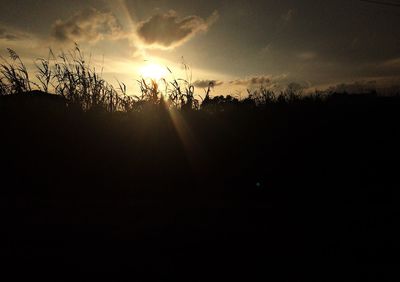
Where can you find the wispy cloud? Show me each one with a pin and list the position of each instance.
(282, 23)
(11, 34)
(392, 63)
(266, 50)
(288, 16)
(89, 25)
(4, 34)
(306, 56)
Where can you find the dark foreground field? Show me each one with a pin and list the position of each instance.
(306, 190)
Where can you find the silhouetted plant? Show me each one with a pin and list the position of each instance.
(15, 77)
(44, 72)
(182, 93)
(149, 91)
(262, 96)
(3, 87)
(293, 92)
(71, 76)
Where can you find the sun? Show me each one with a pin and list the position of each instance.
(153, 71)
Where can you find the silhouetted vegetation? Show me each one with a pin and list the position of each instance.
(99, 185)
(70, 76)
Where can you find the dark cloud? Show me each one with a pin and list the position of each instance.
(4, 34)
(258, 80)
(89, 25)
(272, 82)
(382, 86)
(206, 83)
(168, 30)
(357, 87)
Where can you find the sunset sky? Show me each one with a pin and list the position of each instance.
(237, 44)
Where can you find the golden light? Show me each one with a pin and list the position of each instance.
(153, 71)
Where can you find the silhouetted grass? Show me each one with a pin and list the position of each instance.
(70, 76)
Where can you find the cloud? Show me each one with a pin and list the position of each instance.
(4, 34)
(288, 16)
(252, 81)
(88, 25)
(168, 30)
(383, 86)
(206, 83)
(357, 87)
(12, 34)
(306, 56)
(266, 50)
(261, 80)
(393, 63)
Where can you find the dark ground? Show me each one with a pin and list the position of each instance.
(300, 191)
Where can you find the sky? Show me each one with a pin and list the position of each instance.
(238, 45)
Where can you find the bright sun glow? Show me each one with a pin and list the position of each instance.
(153, 71)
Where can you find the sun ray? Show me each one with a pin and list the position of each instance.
(125, 15)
